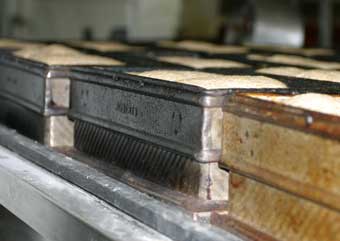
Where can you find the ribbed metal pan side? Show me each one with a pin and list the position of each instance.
(144, 159)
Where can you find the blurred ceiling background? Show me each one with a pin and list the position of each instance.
(280, 22)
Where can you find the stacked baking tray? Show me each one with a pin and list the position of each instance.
(35, 91)
(313, 53)
(256, 56)
(132, 54)
(311, 75)
(10, 45)
(213, 65)
(282, 157)
(165, 126)
(283, 154)
(162, 120)
(165, 129)
(200, 48)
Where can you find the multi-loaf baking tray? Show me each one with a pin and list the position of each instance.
(236, 55)
(35, 95)
(206, 64)
(199, 48)
(206, 49)
(284, 161)
(213, 57)
(255, 56)
(234, 60)
(314, 53)
(10, 45)
(165, 131)
(318, 70)
(132, 54)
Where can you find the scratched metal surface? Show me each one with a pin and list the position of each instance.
(59, 210)
(164, 218)
(13, 229)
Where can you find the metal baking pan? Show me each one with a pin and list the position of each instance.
(257, 210)
(289, 148)
(34, 99)
(141, 60)
(31, 84)
(291, 81)
(156, 56)
(198, 51)
(131, 58)
(7, 50)
(307, 85)
(52, 130)
(241, 58)
(33, 92)
(304, 62)
(167, 113)
(253, 65)
(156, 51)
(11, 45)
(297, 84)
(163, 131)
(260, 63)
(257, 63)
(244, 58)
(319, 54)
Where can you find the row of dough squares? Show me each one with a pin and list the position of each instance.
(57, 54)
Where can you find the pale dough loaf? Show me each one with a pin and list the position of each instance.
(213, 81)
(308, 52)
(17, 44)
(317, 52)
(200, 63)
(322, 103)
(295, 60)
(316, 74)
(171, 75)
(104, 46)
(60, 55)
(204, 47)
(315, 102)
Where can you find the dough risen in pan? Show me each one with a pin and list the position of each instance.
(17, 44)
(200, 63)
(104, 46)
(204, 47)
(295, 60)
(317, 52)
(172, 75)
(53, 49)
(315, 102)
(316, 74)
(308, 52)
(56, 54)
(213, 81)
(281, 71)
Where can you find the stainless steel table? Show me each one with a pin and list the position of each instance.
(63, 199)
(59, 210)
